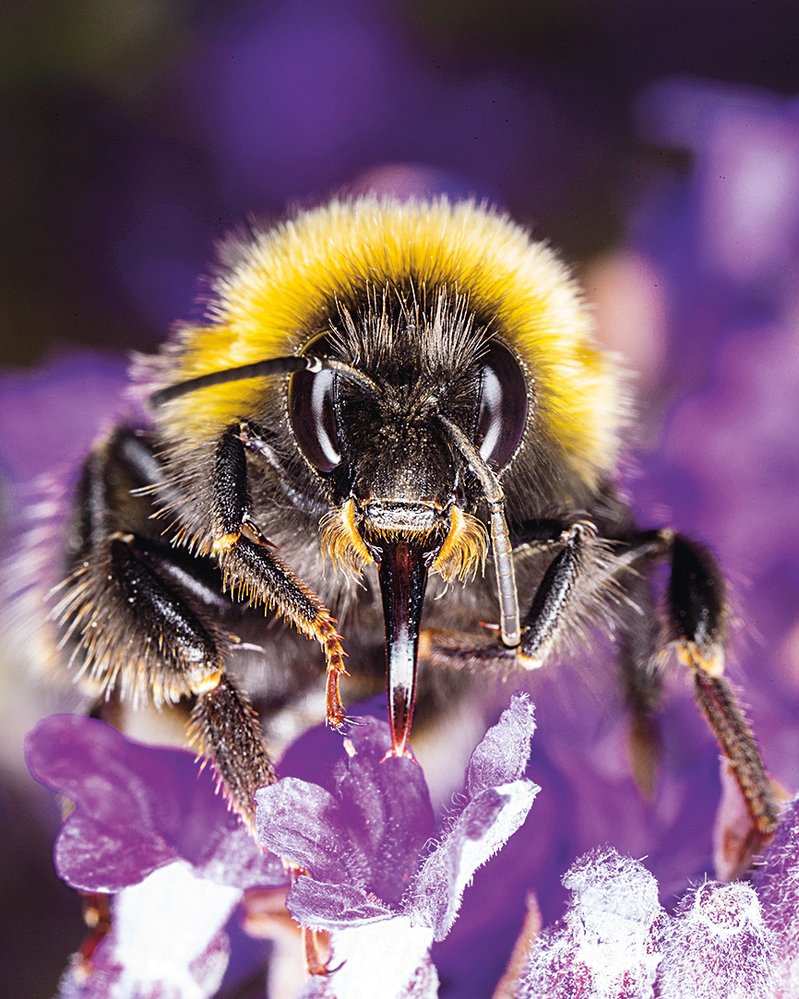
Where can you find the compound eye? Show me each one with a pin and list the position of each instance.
(312, 411)
(503, 406)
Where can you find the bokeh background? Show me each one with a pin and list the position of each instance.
(657, 146)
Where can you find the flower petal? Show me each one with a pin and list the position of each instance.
(138, 808)
(502, 754)
(479, 831)
(322, 906)
(388, 811)
(304, 824)
(494, 812)
(389, 959)
(369, 834)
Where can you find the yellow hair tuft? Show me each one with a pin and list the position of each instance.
(464, 549)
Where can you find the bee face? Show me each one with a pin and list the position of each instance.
(401, 488)
(384, 447)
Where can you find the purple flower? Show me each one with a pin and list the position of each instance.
(777, 884)
(718, 945)
(616, 942)
(710, 275)
(380, 879)
(721, 245)
(367, 879)
(745, 183)
(148, 825)
(608, 943)
(137, 809)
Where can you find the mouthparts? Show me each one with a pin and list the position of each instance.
(403, 580)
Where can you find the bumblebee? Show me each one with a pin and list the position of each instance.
(387, 402)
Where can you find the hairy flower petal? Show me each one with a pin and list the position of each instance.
(323, 906)
(481, 829)
(777, 885)
(387, 959)
(388, 809)
(502, 754)
(305, 824)
(491, 815)
(718, 945)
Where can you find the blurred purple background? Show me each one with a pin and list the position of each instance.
(658, 149)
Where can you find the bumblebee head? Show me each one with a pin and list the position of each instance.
(379, 431)
(411, 428)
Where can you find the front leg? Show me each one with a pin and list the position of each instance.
(252, 571)
(578, 589)
(556, 598)
(696, 627)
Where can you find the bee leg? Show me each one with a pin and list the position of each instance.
(98, 919)
(577, 571)
(225, 727)
(698, 614)
(138, 614)
(547, 615)
(188, 661)
(470, 652)
(587, 571)
(251, 570)
(544, 620)
(465, 652)
(697, 617)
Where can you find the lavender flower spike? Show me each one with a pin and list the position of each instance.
(368, 881)
(608, 945)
